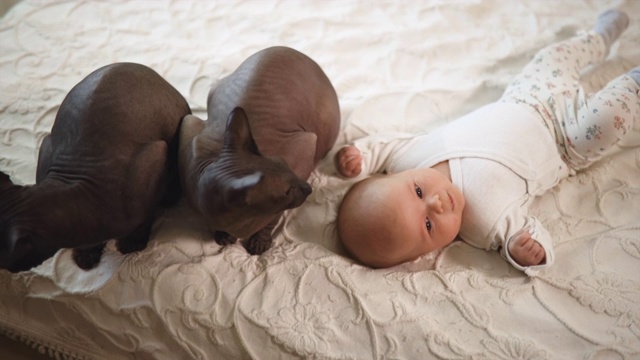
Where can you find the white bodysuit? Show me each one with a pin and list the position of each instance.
(500, 156)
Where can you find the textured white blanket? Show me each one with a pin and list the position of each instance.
(397, 66)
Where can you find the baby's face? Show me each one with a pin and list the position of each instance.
(408, 214)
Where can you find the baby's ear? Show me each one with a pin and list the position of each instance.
(238, 135)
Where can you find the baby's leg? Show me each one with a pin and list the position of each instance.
(555, 72)
(603, 119)
(550, 83)
(556, 68)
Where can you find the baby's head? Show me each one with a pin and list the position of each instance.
(390, 219)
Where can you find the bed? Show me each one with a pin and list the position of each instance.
(397, 66)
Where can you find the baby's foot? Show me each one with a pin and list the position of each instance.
(349, 161)
(610, 24)
(635, 74)
(525, 250)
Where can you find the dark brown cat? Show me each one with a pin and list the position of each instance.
(269, 124)
(101, 172)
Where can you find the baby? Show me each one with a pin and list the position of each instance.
(476, 177)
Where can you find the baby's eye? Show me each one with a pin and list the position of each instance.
(419, 192)
(427, 223)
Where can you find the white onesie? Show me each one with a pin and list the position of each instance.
(500, 156)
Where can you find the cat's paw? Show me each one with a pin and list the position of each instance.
(87, 257)
(222, 238)
(258, 243)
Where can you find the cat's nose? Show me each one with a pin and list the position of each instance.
(306, 189)
(298, 194)
(302, 188)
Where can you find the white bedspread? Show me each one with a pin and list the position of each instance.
(397, 66)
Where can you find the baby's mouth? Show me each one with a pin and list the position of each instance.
(453, 203)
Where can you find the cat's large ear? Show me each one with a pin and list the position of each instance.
(190, 128)
(237, 135)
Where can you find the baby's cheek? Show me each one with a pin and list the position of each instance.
(454, 226)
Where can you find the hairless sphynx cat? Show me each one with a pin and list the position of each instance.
(101, 173)
(269, 124)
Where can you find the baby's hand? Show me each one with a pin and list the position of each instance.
(525, 250)
(349, 161)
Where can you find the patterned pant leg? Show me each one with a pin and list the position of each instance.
(601, 120)
(556, 69)
(551, 82)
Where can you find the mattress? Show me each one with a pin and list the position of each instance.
(401, 66)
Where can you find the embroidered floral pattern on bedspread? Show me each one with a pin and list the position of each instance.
(606, 292)
(397, 66)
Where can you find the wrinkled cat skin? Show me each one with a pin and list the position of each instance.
(102, 172)
(269, 124)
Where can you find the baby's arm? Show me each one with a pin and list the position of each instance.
(530, 248)
(525, 250)
(371, 154)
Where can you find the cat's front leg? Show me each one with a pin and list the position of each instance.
(261, 241)
(223, 238)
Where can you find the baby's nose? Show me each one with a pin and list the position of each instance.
(435, 204)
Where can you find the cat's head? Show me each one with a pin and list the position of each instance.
(242, 191)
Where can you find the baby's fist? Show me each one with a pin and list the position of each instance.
(525, 250)
(349, 161)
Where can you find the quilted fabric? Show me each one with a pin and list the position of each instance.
(397, 66)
